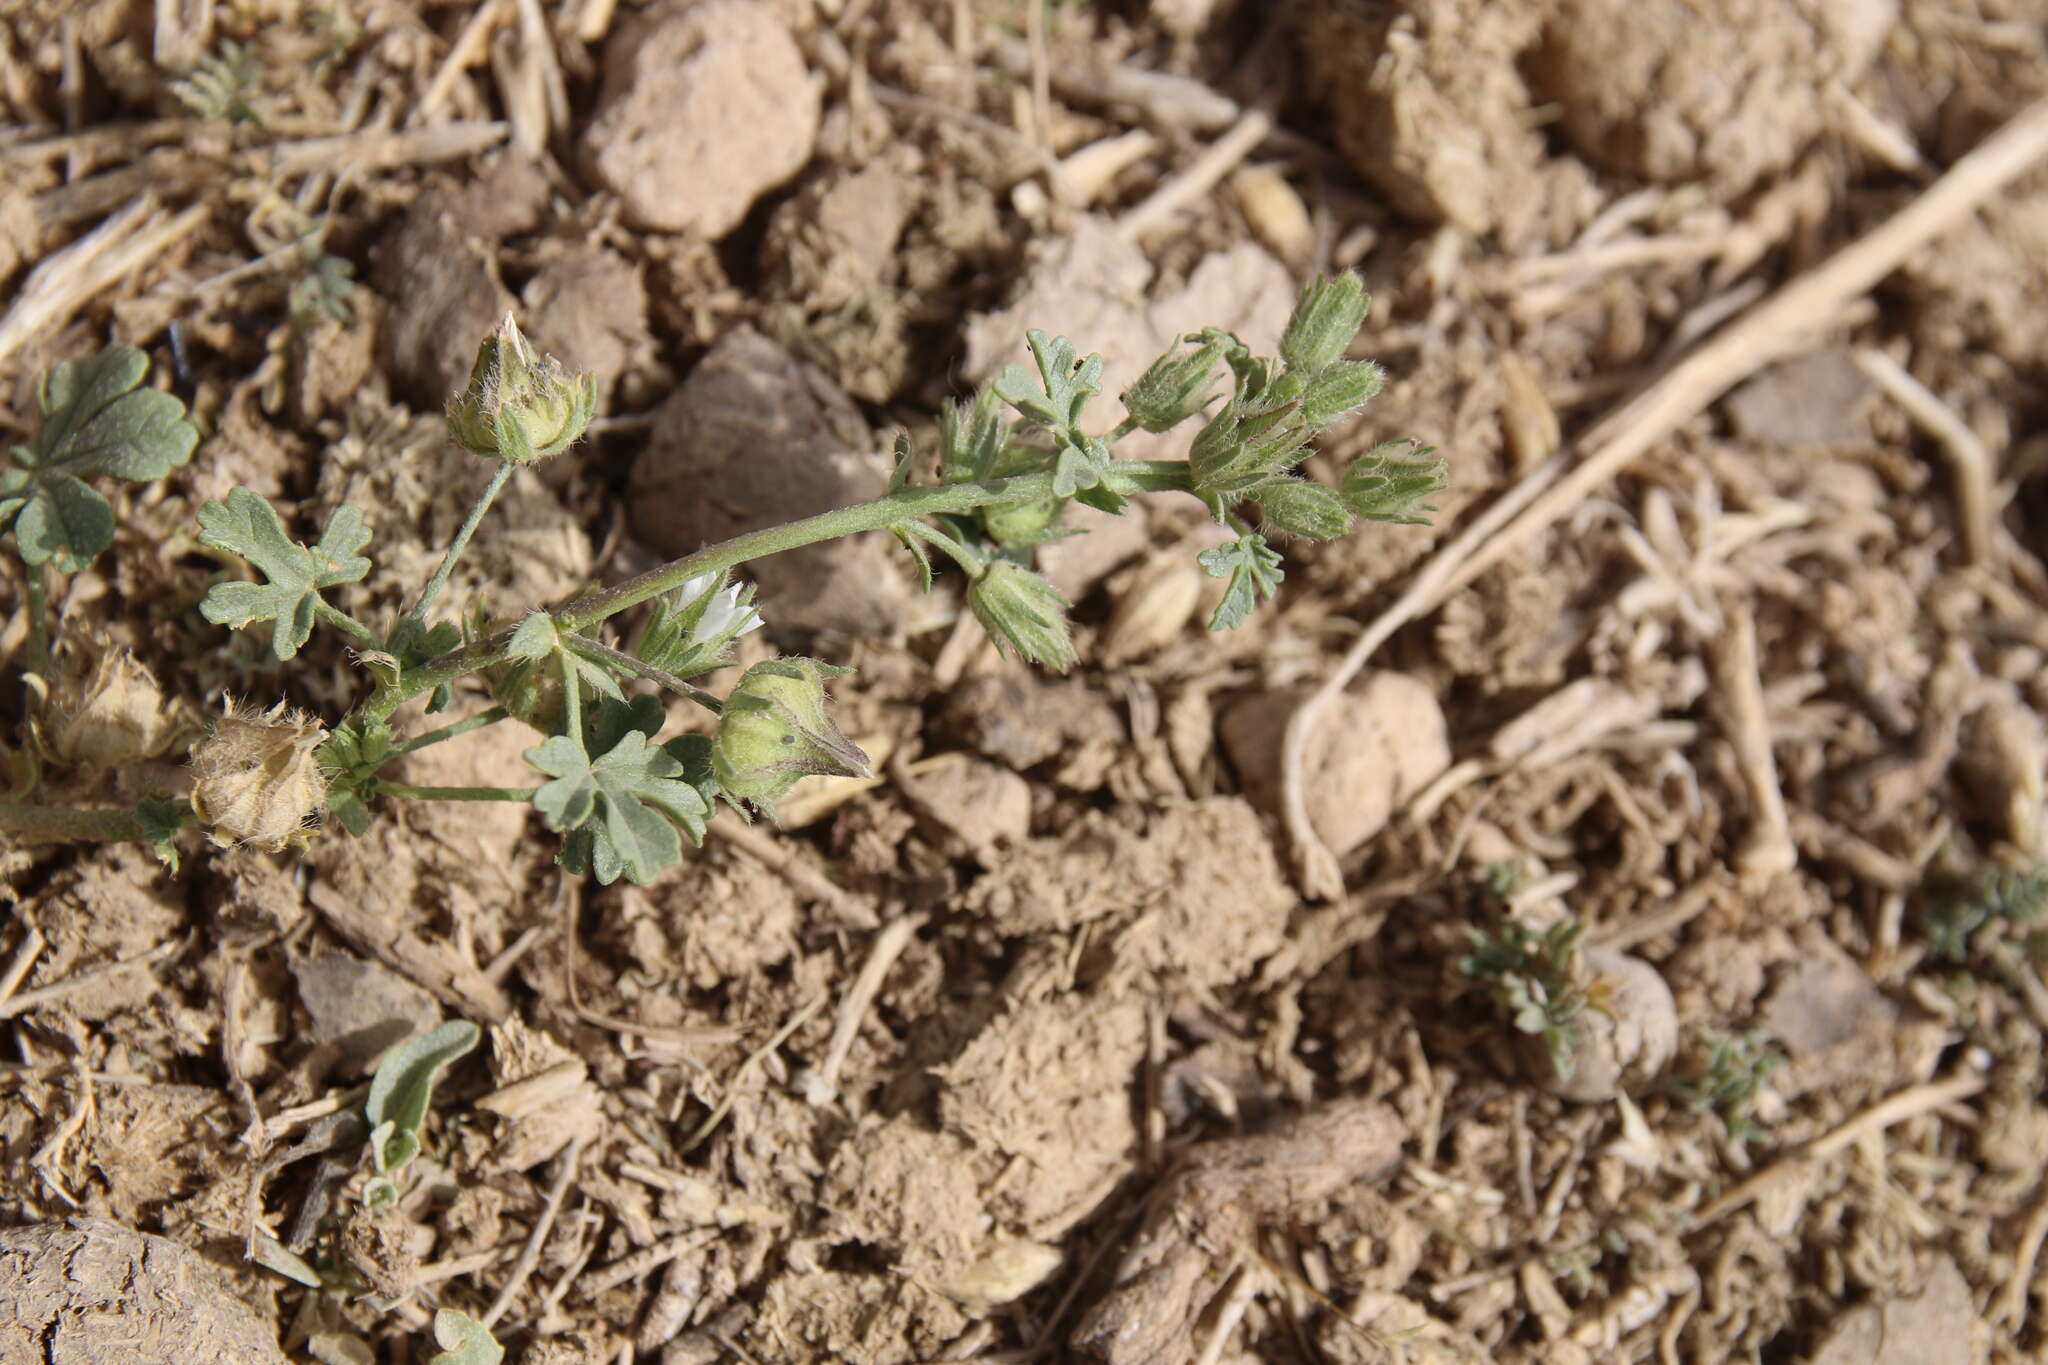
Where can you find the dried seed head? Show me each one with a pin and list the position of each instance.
(109, 714)
(257, 780)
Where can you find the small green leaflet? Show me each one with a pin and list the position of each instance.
(403, 1086)
(1069, 382)
(463, 1341)
(94, 421)
(248, 526)
(625, 800)
(1253, 568)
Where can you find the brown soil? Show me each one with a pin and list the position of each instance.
(1047, 1043)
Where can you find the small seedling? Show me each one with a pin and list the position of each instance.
(1736, 1070)
(223, 85)
(324, 284)
(1986, 922)
(623, 798)
(400, 1093)
(1529, 977)
(463, 1341)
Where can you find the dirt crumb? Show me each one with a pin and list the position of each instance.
(1937, 1326)
(360, 1008)
(443, 278)
(1373, 749)
(704, 108)
(589, 311)
(1044, 1093)
(975, 809)
(1024, 719)
(755, 438)
(860, 1319)
(1815, 400)
(913, 1193)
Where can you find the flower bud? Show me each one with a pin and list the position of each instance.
(1019, 525)
(520, 407)
(1022, 609)
(1338, 392)
(1326, 317)
(257, 780)
(774, 730)
(1175, 388)
(1234, 454)
(1390, 481)
(116, 714)
(1300, 508)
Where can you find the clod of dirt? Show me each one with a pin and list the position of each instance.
(91, 1292)
(589, 311)
(1024, 719)
(715, 919)
(704, 109)
(445, 278)
(360, 1007)
(1211, 1206)
(1669, 90)
(1194, 893)
(832, 242)
(1937, 1326)
(1373, 749)
(1048, 1084)
(974, 809)
(1820, 399)
(911, 1192)
(1428, 104)
(1976, 288)
(756, 438)
(1626, 1034)
(1829, 1017)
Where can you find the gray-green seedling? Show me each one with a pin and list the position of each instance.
(396, 1109)
(463, 1341)
(1733, 1073)
(623, 797)
(1528, 975)
(1988, 922)
(393, 1117)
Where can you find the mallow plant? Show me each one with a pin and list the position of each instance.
(622, 796)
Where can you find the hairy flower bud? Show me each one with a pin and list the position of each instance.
(1390, 481)
(518, 406)
(1234, 453)
(774, 730)
(1176, 387)
(1019, 525)
(115, 714)
(1300, 508)
(1326, 317)
(1338, 392)
(1021, 609)
(257, 780)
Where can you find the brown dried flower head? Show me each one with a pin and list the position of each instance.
(107, 711)
(256, 779)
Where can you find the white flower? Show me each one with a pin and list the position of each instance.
(725, 617)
